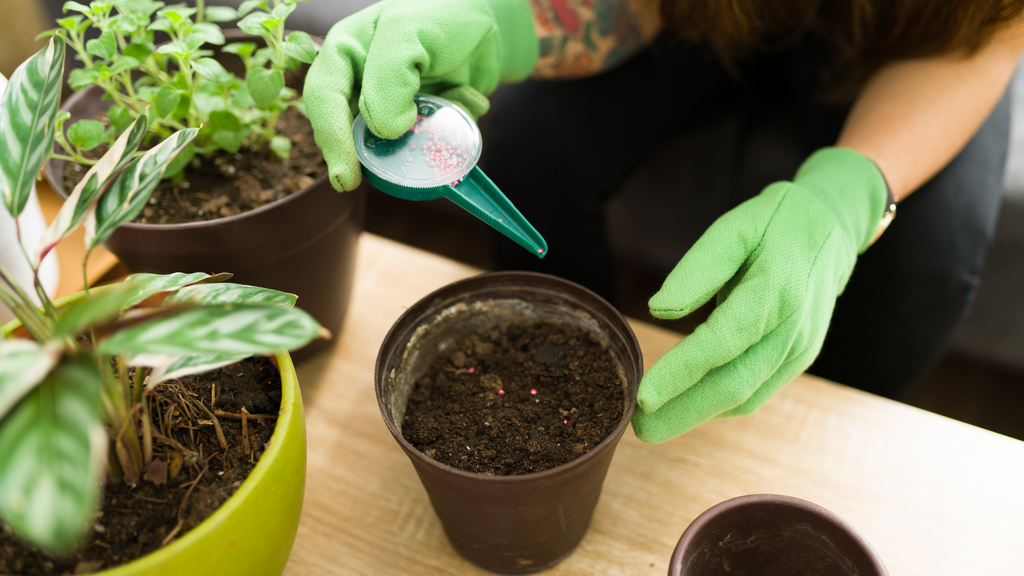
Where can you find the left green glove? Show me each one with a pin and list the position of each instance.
(777, 262)
(377, 59)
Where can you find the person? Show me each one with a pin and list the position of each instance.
(887, 100)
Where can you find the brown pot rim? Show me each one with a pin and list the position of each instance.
(230, 34)
(752, 500)
(454, 287)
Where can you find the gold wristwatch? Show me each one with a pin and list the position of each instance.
(890, 213)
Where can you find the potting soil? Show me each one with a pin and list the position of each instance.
(516, 399)
(228, 184)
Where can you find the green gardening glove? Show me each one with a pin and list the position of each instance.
(376, 60)
(777, 262)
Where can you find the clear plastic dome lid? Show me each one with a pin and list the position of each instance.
(441, 148)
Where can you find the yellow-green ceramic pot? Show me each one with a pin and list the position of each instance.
(253, 532)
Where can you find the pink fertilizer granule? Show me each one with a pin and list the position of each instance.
(444, 151)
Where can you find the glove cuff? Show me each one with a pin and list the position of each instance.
(850, 186)
(519, 45)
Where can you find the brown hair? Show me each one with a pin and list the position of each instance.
(866, 33)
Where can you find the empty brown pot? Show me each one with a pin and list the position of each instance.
(772, 535)
(509, 524)
(304, 244)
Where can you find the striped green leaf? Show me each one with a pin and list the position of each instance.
(132, 188)
(96, 180)
(23, 365)
(100, 306)
(230, 293)
(167, 367)
(28, 107)
(53, 447)
(227, 329)
(146, 285)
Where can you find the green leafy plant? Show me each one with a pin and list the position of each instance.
(178, 81)
(77, 382)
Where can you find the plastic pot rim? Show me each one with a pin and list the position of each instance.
(756, 500)
(416, 308)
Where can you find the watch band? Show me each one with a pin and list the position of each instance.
(887, 216)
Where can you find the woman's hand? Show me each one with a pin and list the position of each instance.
(376, 60)
(777, 263)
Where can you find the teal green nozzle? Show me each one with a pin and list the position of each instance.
(437, 158)
(480, 197)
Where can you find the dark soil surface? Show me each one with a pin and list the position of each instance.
(229, 184)
(191, 475)
(517, 399)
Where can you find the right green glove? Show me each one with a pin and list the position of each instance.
(376, 60)
(776, 264)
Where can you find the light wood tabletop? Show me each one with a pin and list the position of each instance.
(932, 495)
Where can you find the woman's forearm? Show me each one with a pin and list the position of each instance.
(583, 38)
(914, 116)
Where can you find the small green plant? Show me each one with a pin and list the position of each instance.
(178, 81)
(74, 390)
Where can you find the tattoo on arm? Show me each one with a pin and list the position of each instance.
(582, 37)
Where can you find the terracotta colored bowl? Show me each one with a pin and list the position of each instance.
(772, 535)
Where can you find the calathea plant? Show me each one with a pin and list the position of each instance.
(179, 82)
(75, 378)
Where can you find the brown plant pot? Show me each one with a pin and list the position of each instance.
(509, 524)
(773, 535)
(304, 244)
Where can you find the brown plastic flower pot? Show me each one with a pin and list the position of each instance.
(773, 535)
(304, 244)
(509, 524)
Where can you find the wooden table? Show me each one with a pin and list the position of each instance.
(932, 495)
